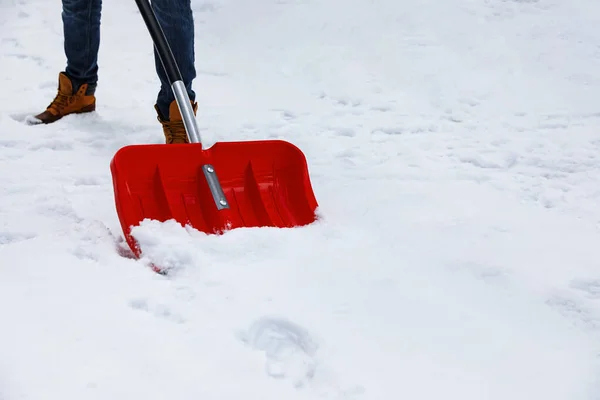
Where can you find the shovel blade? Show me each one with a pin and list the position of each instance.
(265, 183)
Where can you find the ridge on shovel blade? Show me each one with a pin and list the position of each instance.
(265, 183)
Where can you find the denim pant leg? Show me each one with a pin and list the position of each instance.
(81, 25)
(177, 21)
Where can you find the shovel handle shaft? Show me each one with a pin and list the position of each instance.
(160, 41)
(171, 69)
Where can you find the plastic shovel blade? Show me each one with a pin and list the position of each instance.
(265, 183)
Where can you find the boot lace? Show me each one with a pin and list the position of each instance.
(176, 132)
(60, 102)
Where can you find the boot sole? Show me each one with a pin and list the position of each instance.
(86, 109)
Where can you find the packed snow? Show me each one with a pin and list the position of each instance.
(454, 150)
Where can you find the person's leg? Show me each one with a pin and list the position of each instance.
(77, 84)
(81, 25)
(177, 21)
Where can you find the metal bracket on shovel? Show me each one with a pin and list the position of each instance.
(215, 187)
(181, 96)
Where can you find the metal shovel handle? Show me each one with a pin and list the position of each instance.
(172, 70)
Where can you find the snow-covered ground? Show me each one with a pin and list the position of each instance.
(454, 149)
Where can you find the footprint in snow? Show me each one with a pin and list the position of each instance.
(9, 40)
(11, 237)
(158, 310)
(26, 118)
(204, 6)
(87, 181)
(57, 145)
(591, 288)
(580, 315)
(289, 349)
(26, 57)
(10, 144)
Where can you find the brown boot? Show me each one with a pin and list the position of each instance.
(68, 102)
(173, 128)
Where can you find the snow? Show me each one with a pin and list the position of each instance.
(454, 151)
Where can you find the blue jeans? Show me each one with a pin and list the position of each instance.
(81, 24)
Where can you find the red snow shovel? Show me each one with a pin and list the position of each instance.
(227, 186)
